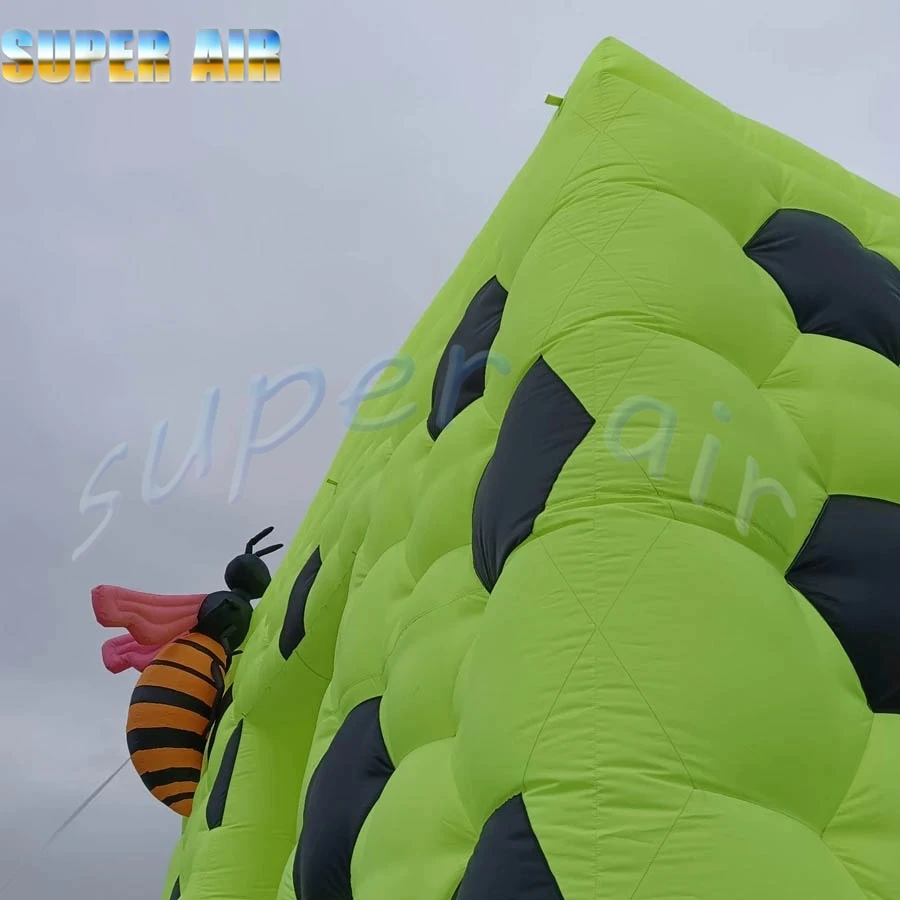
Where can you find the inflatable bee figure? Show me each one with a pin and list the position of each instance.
(183, 646)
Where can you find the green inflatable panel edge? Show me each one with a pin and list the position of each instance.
(584, 622)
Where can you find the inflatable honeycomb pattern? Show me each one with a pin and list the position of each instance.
(611, 612)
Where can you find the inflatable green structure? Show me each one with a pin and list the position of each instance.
(601, 600)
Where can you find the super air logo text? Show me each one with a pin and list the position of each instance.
(253, 56)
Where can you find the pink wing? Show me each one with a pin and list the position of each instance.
(152, 621)
(124, 652)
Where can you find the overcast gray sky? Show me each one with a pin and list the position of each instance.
(158, 241)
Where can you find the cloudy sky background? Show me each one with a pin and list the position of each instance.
(160, 240)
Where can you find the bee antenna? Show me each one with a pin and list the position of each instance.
(255, 540)
(271, 549)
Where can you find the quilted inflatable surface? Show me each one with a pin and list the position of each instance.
(599, 599)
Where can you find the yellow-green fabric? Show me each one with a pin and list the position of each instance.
(678, 720)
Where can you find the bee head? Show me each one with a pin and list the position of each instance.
(247, 574)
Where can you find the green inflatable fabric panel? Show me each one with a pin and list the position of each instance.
(599, 598)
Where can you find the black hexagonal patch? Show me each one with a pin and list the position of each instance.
(342, 791)
(835, 286)
(293, 629)
(848, 569)
(459, 379)
(508, 862)
(543, 425)
(218, 795)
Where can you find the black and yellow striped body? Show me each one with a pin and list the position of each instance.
(171, 712)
